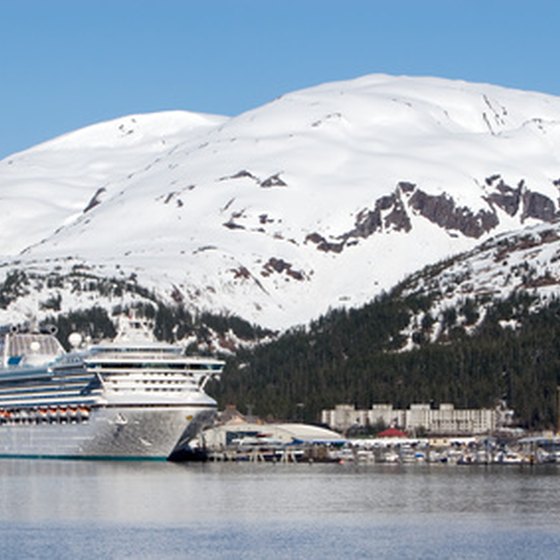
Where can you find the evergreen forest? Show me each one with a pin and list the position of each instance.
(485, 353)
(356, 357)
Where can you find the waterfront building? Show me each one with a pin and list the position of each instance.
(418, 418)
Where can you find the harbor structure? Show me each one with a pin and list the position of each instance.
(257, 441)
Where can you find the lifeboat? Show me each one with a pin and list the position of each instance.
(72, 412)
(83, 411)
(62, 414)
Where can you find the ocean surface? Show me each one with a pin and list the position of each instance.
(145, 510)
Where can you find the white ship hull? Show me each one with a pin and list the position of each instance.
(118, 432)
(133, 399)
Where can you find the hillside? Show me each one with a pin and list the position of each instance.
(356, 357)
(323, 198)
(477, 329)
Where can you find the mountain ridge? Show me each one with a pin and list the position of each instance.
(322, 198)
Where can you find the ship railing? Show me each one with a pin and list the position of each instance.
(142, 355)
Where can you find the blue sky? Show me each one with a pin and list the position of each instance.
(68, 63)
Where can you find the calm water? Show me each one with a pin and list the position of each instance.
(66, 509)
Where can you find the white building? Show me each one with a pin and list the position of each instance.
(443, 420)
(246, 433)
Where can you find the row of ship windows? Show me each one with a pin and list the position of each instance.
(37, 420)
(57, 415)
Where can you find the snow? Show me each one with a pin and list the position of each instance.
(166, 183)
(524, 261)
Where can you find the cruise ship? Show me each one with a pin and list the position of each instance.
(132, 398)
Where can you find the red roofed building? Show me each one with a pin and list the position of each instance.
(391, 433)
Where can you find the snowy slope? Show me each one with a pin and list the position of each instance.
(49, 186)
(324, 197)
(524, 262)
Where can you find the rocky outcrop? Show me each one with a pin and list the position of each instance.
(442, 211)
(95, 199)
(521, 200)
(504, 196)
(243, 174)
(231, 223)
(281, 266)
(367, 223)
(324, 245)
(393, 212)
(241, 272)
(397, 218)
(389, 214)
(273, 181)
(538, 206)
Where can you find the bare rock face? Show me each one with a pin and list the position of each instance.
(389, 213)
(397, 218)
(521, 201)
(504, 196)
(280, 266)
(538, 206)
(95, 200)
(273, 181)
(324, 245)
(441, 210)
(367, 223)
(393, 212)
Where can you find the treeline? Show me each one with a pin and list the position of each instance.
(94, 324)
(170, 324)
(356, 356)
(353, 357)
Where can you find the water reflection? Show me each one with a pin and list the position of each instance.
(127, 509)
(171, 493)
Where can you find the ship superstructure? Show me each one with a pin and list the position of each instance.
(132, 398)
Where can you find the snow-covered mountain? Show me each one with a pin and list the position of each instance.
(321, 198)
